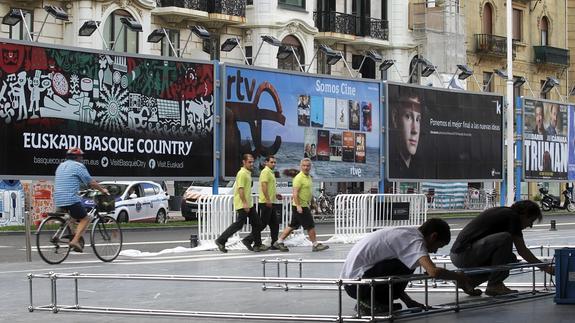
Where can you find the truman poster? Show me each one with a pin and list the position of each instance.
(437, 134)
(545, 133)
(334, 122)
(132, 116)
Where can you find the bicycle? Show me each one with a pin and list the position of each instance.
(325, 203)
(55, 232)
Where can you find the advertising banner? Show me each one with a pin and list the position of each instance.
(438, 134)
(133, 116)
(571, 145)
(545, 133)
(334, 122)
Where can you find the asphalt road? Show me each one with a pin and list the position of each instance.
(205, 296)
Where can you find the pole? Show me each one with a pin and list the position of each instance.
(509, 111)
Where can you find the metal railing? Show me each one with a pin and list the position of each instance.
(492, 45)
(228, 7)
(216, 213)
(551, 55)
(201, 5)
(374, 28)
(336, 22)
(358, 214)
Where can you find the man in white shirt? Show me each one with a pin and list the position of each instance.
(398, 251)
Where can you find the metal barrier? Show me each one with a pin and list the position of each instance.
(55, 307)
(216, 213)
(359, 214)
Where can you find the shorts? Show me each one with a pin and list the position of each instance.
(304, 219)
(76, 210)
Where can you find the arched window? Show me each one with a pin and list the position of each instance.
(290, 63)
(544, 31)
(488, 19)
(121, 39)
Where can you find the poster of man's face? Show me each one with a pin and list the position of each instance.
(438, 134)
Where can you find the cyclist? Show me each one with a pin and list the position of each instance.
(69, 175)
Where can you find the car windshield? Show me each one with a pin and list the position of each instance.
(114, 189)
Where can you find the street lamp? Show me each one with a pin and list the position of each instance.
(229, 44)
(55, 12)
(157, 35)
(13, 17)
(199, 31)
(332, 56)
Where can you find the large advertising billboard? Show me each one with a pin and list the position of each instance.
(334, 122)
(545, 140)
(134, 116)
(438, 134)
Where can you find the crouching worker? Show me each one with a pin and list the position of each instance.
(393, 252)
(488, 240)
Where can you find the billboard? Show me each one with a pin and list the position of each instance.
(335, 122)
(134, 116)
(438, 134)
(545, 140)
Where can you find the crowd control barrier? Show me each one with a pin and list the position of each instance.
(216, 213)
(358, 214)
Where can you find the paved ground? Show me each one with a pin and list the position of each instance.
(232, 297)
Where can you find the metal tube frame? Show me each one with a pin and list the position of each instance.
(338, 283)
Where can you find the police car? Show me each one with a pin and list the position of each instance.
(135, 200)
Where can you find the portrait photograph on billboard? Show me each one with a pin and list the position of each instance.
(334, 122)
(545, 140)
(439, 134)
(133, 116)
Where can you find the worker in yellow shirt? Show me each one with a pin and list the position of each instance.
(301, 213)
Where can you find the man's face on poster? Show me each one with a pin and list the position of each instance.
(553, 116)
(409, 125)
(539, 118)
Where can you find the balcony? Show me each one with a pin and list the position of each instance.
(345, 27)
(492, 45)
(220, 12)
(551, 55)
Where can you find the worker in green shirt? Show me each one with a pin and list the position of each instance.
(301, 213)
(245, 209)
(268, 200)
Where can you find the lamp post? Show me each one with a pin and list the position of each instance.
(510, 107)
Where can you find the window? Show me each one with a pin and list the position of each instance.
(148, 189)
(290, 63)
(544, 31)
(487, 82)
(384, 10)
(322, 66)
(127, 40)
(517, 91)
(293, 3)
(543, 95)
(174, 36)
(250, 2)
(18, 31)
(249, 54)
(488, 19)
(517, 21)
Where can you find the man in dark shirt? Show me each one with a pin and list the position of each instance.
(488, 241)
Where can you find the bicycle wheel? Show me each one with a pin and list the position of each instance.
(52, 240)
(106, 238)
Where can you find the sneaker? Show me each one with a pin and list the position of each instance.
(472, 291)
(499, 290)
(248, 245)
(273, 247)
(280, 246)
(221, 246)
(261, 248)
(77, 247)
(319, 247)
(365, 308)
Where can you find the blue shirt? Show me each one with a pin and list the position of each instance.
(69, 175)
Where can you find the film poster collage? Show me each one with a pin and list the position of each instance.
(334, 129)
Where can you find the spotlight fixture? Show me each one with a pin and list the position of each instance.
(427, 67)
(131, 24)
(549, 84)
(88, 28)
(229, 44)
(519, 81)
(386, 64)
(271, 40)
(13, 17)
(502, 73)
(200, 32)
(156, 35)
(465, 71)
(284, 51)
(56, 12)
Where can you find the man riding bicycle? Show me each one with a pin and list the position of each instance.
(69, 175)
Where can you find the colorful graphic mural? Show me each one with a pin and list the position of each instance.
(133, 116)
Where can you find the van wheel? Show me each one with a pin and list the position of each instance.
(123, 217)
(161, 216)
